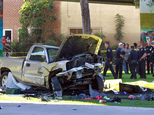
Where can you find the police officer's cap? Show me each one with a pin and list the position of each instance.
(121, 44)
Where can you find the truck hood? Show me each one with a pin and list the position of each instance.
(78, 44)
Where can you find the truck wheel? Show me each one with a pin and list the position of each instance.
(98, 84)
(3, 80)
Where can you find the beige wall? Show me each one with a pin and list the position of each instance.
(102, 16)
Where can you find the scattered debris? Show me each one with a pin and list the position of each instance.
(102, 101)
(97, 97)
(18, 105)
(94, 93)
(87, 99)
(30, 95)
(45, 98)
(81, 96)
(131, 102)
(106, 98)
(112, 85)
(131, 97)
(133, 88)
(13, 91)
(74, 108)
(115, 102)
(12, 83)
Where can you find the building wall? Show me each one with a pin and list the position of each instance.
(102, 16)
(55, 26)
(69, 16)
(147, 15)
(147, 20)
(11, 16)
(1, 28)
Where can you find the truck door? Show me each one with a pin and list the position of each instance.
(33, 71)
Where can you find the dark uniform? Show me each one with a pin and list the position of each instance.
(109, 57)
(132, 59)
(152, 57)
(149, 49)
(118, 62)
(142, 63)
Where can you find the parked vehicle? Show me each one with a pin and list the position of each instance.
(74, 65)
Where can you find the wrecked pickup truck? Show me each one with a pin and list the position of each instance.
(74, 65)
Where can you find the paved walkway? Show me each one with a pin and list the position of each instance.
(67, 109)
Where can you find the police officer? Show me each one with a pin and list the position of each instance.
(149, 49)
(119, 59)
(152, 55)
(141, 56)
(132, 59)
(108, 63)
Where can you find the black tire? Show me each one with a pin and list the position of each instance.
(2, 79)
(98, 84)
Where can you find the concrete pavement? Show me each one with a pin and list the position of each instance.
(62, 109)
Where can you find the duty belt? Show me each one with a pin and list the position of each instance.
(133, 61)
(108, 59)
(118, 59)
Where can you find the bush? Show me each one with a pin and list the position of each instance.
(114, 47)
(20, 47)
(54, 40)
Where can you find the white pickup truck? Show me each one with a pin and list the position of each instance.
(74, 65)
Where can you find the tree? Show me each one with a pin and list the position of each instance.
(85, 16)
(33, 15)
(119, 20)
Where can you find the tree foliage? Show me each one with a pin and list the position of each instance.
(119, 20)
(34, 14)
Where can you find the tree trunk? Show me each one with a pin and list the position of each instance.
(85, 16)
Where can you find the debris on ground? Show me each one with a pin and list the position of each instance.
(45, 98)
(94, 93)
(30, 95)
(12, 83)
(80, 96)
(133, 88)
(114, 92)
(18, 105)
(74, 108)
(102, 101)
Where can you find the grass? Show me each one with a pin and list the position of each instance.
(125, 77)
(124, 102)
(66, 100)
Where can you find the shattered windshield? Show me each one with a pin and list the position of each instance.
(52, 53)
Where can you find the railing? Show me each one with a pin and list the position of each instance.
(7, 51)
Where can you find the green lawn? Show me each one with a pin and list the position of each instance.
(125, 77)
(66, 100)
(124, 102)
